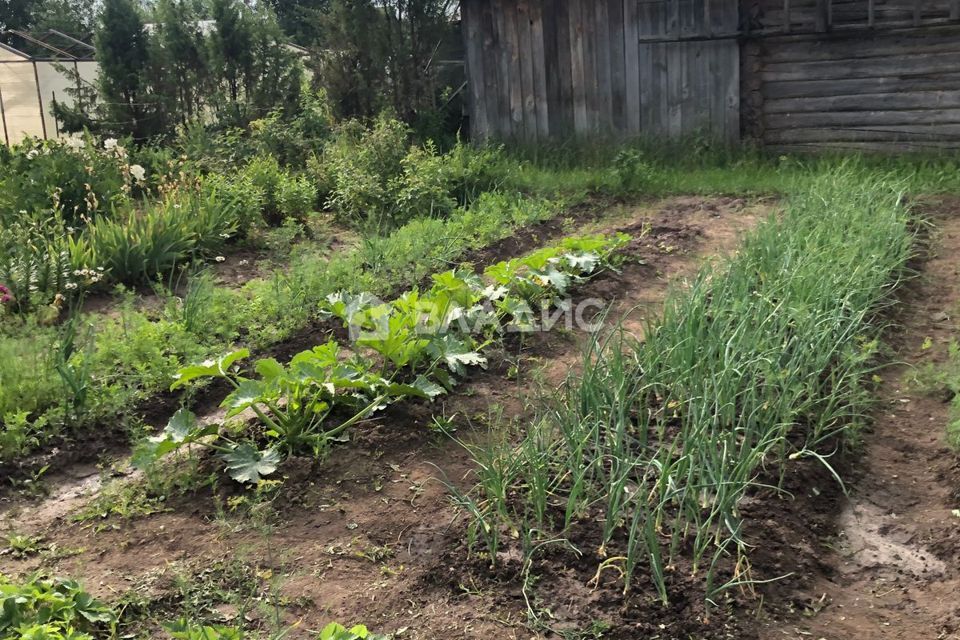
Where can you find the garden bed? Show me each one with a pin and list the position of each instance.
(358, 535)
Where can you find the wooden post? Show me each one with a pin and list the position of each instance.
(823, 16)
(955, 10)
(43, 120)
(3, 118)
(871, 12)
(916, 13)
(708, 27)
(786, 16)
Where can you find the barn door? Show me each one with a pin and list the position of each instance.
(543, 69)
(689, 68)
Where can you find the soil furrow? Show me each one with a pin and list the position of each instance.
(885, 563)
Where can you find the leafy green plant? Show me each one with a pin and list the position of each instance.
(633, 171)
(73, 176)
(51, 609)
(35, 263)
(422, 343)
(22, 546)
(184, 629)
(335, 631)
(295, 403)
(134, 246)
(378, 182)
(283, 195)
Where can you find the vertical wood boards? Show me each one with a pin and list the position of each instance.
(632, 69)
(554, 68)
(578, 66)
(476, 77)
(565, 78)
(538, 53)
(618, 74)
(526, 57)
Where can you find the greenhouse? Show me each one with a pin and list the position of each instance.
(35, 71)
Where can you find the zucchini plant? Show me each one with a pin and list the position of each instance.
(416, 346)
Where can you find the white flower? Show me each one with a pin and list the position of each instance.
(76, 143)
(110, 143)
(138, 172)
(33, 153)
(220, 259)
(70, 286)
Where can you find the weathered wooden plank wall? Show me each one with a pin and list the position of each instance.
(896, 89)
(792, 74)
(819, 15)
(543, 69)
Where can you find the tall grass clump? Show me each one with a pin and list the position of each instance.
(760, 361)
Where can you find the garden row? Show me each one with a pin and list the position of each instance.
(416, 346)
(93, 367)
(78, 215)
(647, 454)
(61, 610)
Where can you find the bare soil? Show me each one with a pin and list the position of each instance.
(369, 534)
(882, 561)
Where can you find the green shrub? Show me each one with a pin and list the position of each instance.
(423, 188)
(237, 198)
(376, 181)
(296, 198)
(292, 140)
(633, 171)
(366, 165)
(283, 194)
(44, 175)
(472, 171)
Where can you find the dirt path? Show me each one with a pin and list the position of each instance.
(891, 568)
(361, 537)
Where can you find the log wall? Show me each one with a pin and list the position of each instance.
(884, 89)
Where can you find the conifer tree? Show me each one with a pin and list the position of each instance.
(124, 55)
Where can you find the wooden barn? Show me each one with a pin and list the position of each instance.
(791, 74)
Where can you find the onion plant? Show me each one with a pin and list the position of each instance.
(759, 361)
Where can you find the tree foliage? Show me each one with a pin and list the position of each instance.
(123, 54)
(219, 62)
(383, 55)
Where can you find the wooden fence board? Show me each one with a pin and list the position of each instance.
(618, 75)
(538, 52)
(632, 71)
(544, 68)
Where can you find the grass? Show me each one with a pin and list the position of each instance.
(758, 363)
(942, 380)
